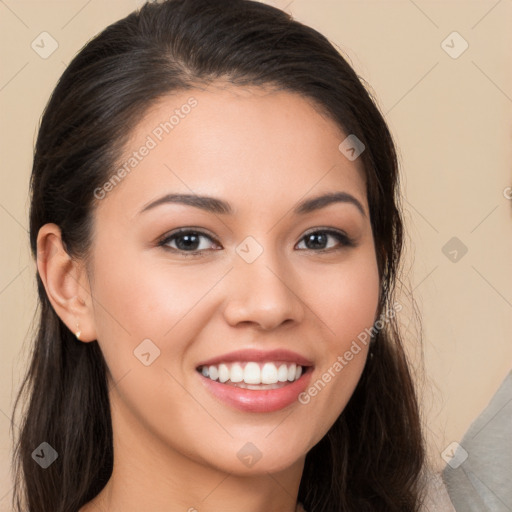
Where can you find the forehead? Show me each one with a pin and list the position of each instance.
(257, 145)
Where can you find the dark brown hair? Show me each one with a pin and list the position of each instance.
(372, 457)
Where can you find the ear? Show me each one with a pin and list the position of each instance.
(66, 283)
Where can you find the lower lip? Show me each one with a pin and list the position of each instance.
(258, 400)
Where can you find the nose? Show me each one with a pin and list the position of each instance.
(263, 293)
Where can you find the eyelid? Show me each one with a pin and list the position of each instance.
(163, 240)
(346, 240)
(325, 229)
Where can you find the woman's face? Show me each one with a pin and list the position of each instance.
(265, 276)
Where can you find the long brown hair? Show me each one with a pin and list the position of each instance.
(372, 456)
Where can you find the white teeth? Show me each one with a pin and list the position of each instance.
(282, 373)
(291, 372)
(223, 373)
(268, 373)
(252, 373)
(236, 373)
(213, 372)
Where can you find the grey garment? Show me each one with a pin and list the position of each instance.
(437, 498)
(478, 475)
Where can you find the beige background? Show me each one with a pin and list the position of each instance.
(452, 121)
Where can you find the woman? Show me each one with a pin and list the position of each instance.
(215, 219)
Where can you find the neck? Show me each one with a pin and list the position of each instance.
(150, 475)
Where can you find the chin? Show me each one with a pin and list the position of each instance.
(250, 459)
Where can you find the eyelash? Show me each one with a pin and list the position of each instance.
(345, 241)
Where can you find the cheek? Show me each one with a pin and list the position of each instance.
(347, 306)
(143, 307)
(347, 299)
(139, 298)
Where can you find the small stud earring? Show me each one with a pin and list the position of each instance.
(78, 332)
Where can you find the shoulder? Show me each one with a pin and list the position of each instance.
(479, 474)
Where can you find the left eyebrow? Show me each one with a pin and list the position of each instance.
(219, 206)
(324, 200)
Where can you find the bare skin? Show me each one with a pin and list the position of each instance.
(175, 444)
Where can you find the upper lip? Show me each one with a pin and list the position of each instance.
(258, 355)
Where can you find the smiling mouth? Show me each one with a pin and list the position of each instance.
(254, 375)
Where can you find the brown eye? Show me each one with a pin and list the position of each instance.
(186, 240)
(316, 240)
